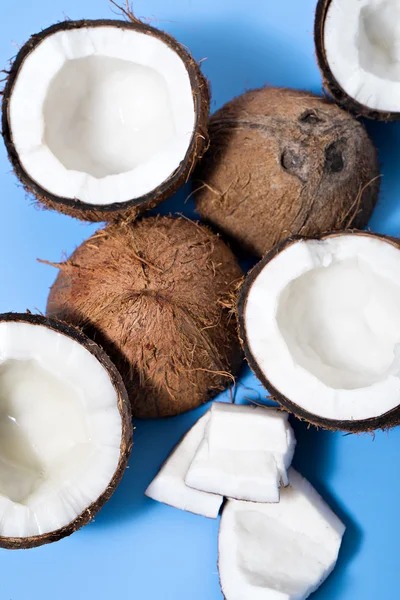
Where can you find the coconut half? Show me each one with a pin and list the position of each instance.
(358, 51)
(244, 454)
(104, 119)
(65, 430)
(320, 322)
(169, 485)
(278, 551)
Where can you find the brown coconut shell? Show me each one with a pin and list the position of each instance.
(285, 162)
(385, 421)
(121, 210)
(330, 83)
(126, 439)
(156, 294)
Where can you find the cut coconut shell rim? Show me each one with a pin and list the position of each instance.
(356, 68)
(71, 150)
(57, 472)
(320, 326)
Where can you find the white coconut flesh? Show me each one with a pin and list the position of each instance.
(60, 430)
(244, 454)
(362, 46)
(169, 485)
(322, 322)
(101, 114)
(278, 551)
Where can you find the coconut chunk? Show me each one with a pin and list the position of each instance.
(169, 485)
(278, 551)
(65, 430)
(244, 454)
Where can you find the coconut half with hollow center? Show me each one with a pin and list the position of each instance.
(278, 551)
(104, 119)
(358, 51)
(65, 430)
(320, 324)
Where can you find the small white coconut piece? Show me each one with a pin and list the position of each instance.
(169, 485)
(278, 551)
(244, 454)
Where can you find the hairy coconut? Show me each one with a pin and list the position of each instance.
(284, 162)
(357, 46)
(65, 430)
(114, 123)
(320, 324)
(156, 295)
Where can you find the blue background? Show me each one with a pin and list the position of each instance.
(137, 548)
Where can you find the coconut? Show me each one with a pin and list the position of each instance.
(104, 119)
(284, 162)
(244, 454)
(169, 484)
(320, 323)
(65, 430)
(279, 551)
(358, 51)
(156, 294)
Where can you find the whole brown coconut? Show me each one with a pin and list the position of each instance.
(156, 295)
(284, 162)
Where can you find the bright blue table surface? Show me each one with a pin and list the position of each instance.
(137, 548)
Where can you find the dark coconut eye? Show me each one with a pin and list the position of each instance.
(310, 117)
(290, 160)
(334, 162)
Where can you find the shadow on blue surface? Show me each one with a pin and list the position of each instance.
(315, 459)
(386, 216)
(153, 442)
(180, 203)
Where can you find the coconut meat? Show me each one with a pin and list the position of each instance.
(169, 485)
(322, 322)
(60, 430)
(244, 454)
(362, 46)
(278, 551)
(101, 114)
